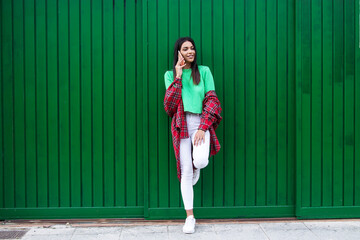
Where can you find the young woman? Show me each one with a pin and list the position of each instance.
(191, 102)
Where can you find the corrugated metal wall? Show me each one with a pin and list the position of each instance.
(84, 133)
(71, 118)
(249, 47)
(328, 105)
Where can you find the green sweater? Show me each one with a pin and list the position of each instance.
(191, 94)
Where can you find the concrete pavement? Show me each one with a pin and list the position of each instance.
(334, 229)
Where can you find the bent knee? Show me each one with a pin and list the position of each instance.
(201, 162)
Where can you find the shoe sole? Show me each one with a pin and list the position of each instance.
(189, 232)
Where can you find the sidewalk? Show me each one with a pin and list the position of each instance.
(111, 229)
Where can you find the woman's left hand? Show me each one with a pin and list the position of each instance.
(199, 137)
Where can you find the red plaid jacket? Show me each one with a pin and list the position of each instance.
(209, 120)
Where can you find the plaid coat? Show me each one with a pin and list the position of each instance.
(209, 119)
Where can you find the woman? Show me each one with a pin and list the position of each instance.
(191, 102)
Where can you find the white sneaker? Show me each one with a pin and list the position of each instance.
(189, 226)
(196, 176)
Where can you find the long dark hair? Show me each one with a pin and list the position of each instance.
(194, 67)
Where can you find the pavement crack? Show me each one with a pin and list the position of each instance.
(264, 231)
(312, 231)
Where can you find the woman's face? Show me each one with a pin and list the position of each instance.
(188, 51)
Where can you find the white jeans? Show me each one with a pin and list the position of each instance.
(188, 151)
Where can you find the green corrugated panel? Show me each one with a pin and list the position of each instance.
(71, 109)
(357, 106)
(7, 107)
(249, 47)
(18, 114)
(327, 109)
(1, 113)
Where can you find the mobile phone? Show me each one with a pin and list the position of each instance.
(183, 61)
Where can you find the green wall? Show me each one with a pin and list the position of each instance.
(328, 109)
(72, 115)
(84, 133)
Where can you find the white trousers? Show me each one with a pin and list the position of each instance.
(188, 152)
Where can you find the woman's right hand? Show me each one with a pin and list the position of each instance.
(179, 65)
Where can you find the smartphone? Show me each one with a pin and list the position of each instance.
(183, 61)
